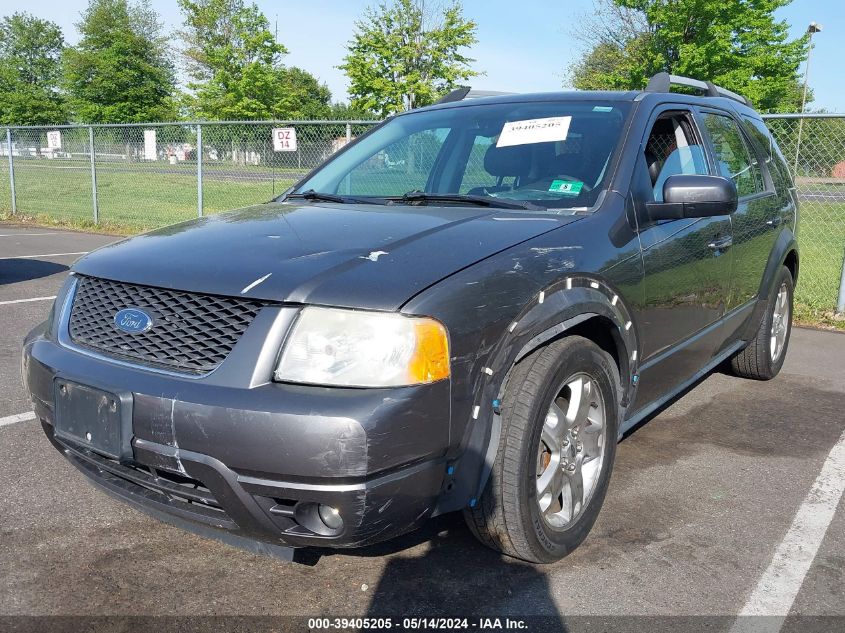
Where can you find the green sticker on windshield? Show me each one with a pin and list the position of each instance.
(566, 187)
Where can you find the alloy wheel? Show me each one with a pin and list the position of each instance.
(571, 451)
(780, 323)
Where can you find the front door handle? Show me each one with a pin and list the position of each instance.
(721, 244)
(774, 221)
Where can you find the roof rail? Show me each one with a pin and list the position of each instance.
(662, 82)
(465, 92)
(478, 94)
(458, 94)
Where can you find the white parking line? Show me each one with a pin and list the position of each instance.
(6, 303)
(776, 590)
(44, 255)
(20, 417)
(26, 234)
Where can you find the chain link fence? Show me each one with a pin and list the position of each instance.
(134, 177)
(814, 148)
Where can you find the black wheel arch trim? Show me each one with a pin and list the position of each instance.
(556, 311)
(785, 246)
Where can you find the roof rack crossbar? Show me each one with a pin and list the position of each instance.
(662, 82)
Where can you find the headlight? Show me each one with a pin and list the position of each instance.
(350, 348)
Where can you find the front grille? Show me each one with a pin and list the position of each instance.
(191, 333)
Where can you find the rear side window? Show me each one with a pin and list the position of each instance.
(758, 131)
(734, 159)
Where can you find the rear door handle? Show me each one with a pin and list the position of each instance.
(774, 221)
(722, 244)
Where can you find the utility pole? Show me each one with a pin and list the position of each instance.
(813, 28)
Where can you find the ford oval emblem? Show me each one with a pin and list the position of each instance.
(133, 320)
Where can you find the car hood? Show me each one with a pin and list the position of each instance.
(367, 256)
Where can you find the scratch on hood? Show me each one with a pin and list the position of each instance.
(374, 255)
(255, 283)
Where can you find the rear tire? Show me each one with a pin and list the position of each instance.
(560, 421)
(763, 358)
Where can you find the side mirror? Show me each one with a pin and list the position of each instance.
(694, 196)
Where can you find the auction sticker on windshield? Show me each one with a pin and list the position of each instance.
(566, 187)
(529, 131)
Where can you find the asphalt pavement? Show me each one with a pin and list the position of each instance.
(718, 506)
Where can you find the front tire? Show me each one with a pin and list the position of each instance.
(763, 358)
(560, 420)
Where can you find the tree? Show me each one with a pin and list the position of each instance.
(404, 55)
(234, 62)
(120, 71)
(30, 71)
(738, 45)
(231, 57)
(301, 96)
(345, 112)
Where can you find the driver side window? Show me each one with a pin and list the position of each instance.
(672, 149)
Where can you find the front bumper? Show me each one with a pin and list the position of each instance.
(233, 451)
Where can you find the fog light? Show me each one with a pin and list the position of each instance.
(330, 516)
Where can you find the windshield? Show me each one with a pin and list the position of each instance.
(540, 155)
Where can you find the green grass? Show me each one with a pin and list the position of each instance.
(129, 200)
(821, 238)
(136, 197)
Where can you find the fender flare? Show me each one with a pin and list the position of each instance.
(550, 313)
(785, 244)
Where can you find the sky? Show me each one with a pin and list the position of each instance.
(524, 45)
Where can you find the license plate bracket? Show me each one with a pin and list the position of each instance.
(94, 418)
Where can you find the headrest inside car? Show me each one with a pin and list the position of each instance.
(508, 161)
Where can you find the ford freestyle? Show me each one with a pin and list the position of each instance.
(464, 309)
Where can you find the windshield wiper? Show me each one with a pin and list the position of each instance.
(419, 196)
(310, 194)
(316, 195)
(482, 201)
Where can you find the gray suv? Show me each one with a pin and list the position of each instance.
(465, 309)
